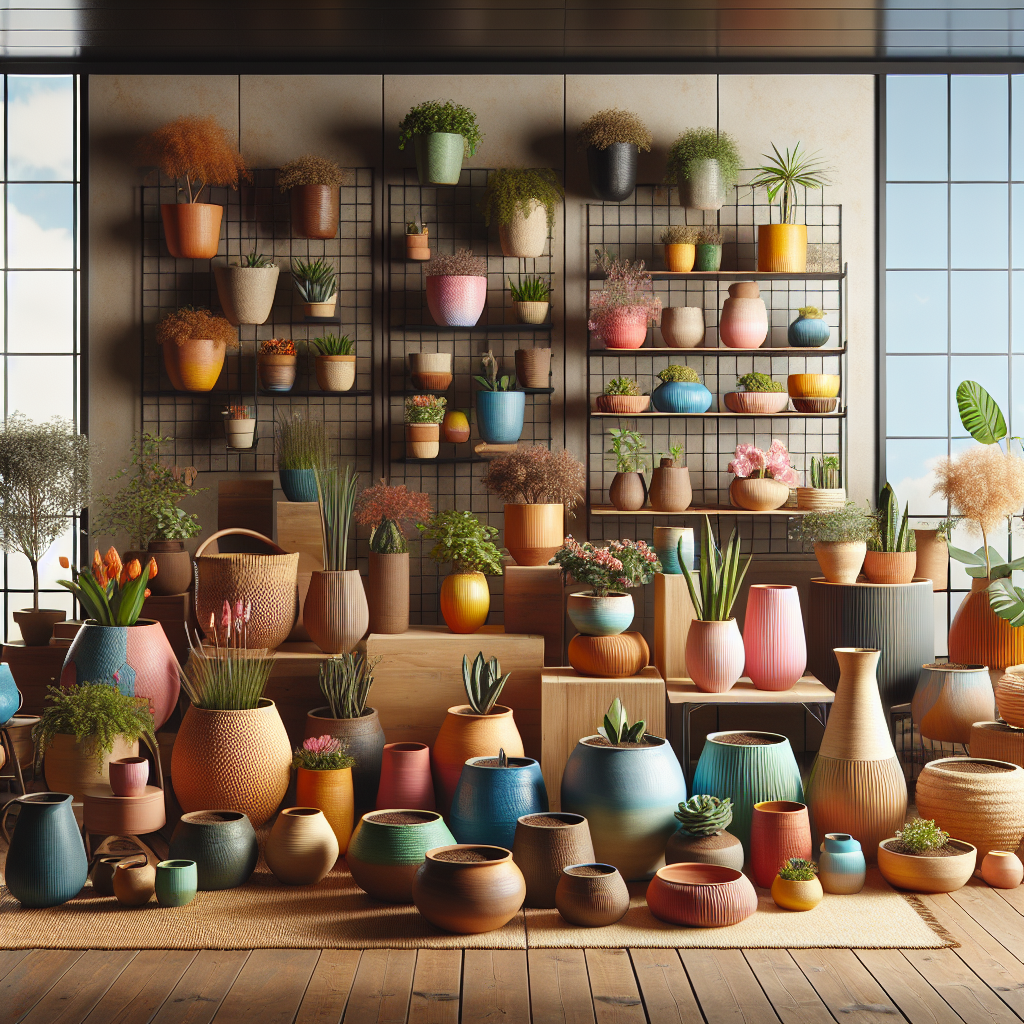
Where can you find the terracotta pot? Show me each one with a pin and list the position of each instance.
(465, 601)
(277, 371)
(625, 405)
(773, 637)
(816, 499)
(456, 300)
(611, 657)
(779, 830)
(314, 211)
(815, 406)
(1009, 695)
(701, 895)
(949, 699)
(722, 848)
(841, 867)
(705, 188)
(192, 230)
(431, 371)
(670, 487)
(932, 558)
(417, 246)
(758, 494)
(927, 874)
(591, 895)
(533, 367)
(546, 843)
(422, 440)
(387, 592)
(36, 624)
(232, 760)
(526, 235)
(744, 319)
(977, 636)
(813, 385)
(463, 735)
(456, 426)
(682, 326)
(856, 785)
(892, 567)
(134, 882)
(628, 491)
(840, 561)
(221, 843)
(70, 765)
(998, 741)
(405, 779)
(364, 739)
(246, 293)
(797, 895)
(533, 533)
(301, 848)
(468, 896)
(1002, 869)
(714, 655)
(331, 792)
(679, 257)
(335, 373)
(531, 313)
(623, 327)
(194, 365)
(335, 612)
(128, 776)
(600, 616)
(782, 248)
(105, 813)
(756, 401)
(175, 573)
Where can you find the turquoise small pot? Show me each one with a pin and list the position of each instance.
(176, 882)
(808, 332)
(841, 867)
(600, 616)
(10, 695)
(489, 801)
(439, 157)
(298, 484)
(500, 415)
(707, 257)
(681, 396)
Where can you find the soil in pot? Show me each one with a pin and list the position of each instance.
(895, 846)
(747, 739)
(462, 856)
(402, 818)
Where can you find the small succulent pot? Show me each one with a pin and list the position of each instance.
(670, 489)
(546, 843)
(238, 433)
(628, 491)
(298, 484)
(890, 566)
(813, 385)
(1002, 869)
(721, 848)
(128, 776)
(134, 881)
(176, 882)
(928, 875)
(757, 402)
(531, 312)
(277, 371)
(808, 332)
(422, 440)
(796, 895)
(417, 246)
(431, 371)
(679, 257)
(490, 799)
(533, 367)
(591, 895)
(600, 616)
(320, 309)
(701, 895)
(681, 396)
(102, 875)
(624, 405)
(335, 373)
(682, 326)
(758, 493)
(841, 866)
(708, 257)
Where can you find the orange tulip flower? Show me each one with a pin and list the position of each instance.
(99, 573)
(112, 561)
(133, 570)
(152, 568)
(64, 563)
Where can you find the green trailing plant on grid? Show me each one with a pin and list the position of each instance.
(441, 116)
(530, 289)
(697, 144)
(704, 815)
(680, 234)
(225, 678)
(490, 381)
(891, 533)
(512, 188)
(760, 382)
(256, 261)
(796, 869)
(332, 345)
(483, 682)
(315, 280)
(847, 524)
(675, 374)
(460, 538)
(920, 835)
(617, 729)
(782, 176)
(322, 754)
(825, 472)
(628, 448)
(622, 386)
(345, 682)
(721, 575)
(336, 493)
(301, 443)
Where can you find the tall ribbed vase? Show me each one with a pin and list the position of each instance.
(977, 636)
(856, 785)
(335, 614)
(773, 637)
(387, 592)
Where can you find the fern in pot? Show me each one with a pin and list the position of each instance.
(500, 405)
(313, 183)
(613, 139)
(246, 289)
(523, 202)
(456, 288)
(443, 133)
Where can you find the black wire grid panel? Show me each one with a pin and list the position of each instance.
(631, 230)
(258, 217)
(453, 216)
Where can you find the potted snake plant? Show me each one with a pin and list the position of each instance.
(892, 549)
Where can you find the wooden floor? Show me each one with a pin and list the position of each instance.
(980, 981)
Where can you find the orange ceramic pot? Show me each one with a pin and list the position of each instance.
(1002, 869)
(625, 405)
(332, 792)
(782, 248)
(192, 230)
(977, 636)
(701, 895)
(611, 657)
(779, 829)
(533, 533)
(890, 566)
(465, 601)
(679, 257)
(194, 365)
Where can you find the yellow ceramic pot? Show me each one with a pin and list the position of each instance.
(782, 248)
(679, 257)
(465, 601)
(796, 895)
(813, 385)
(330, 791)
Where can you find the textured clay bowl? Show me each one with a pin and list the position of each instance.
(815, 405)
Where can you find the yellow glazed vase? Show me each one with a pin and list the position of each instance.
(465, 601)
(330, 791)
(782, 248)
(796, 895)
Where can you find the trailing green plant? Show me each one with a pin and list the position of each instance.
(301, 443)
(676, 373)
(704, 815)
(460, 538)
(425, 408)
(782, 176)
(332, 345)
(811, 312)
(383, 509)
(622, 386)
(513, 188)
(622, 565)
(226, 678)
(461, 263)
(483, 682)
(796, 869)
(490, 381)
(111, 592)
(322, 754)
(721, 575)
(617, 730)
(703, 144)
(97, 712)
(315, 280)
(345, 682)
(607, 127)
(441, 116)
(708, 235)
(530, 289)
(891, 534)
(920, 835)
(628, 448)
(336, 493)
(680, 234)
(760, 382)
(847, 524)
(256, 260)
(825, 472)
(310, 170)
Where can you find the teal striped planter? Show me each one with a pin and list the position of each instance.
(808, 332)
(298, 484)
(176, 882)
(841, 867)
(747, 774)
(500, 415)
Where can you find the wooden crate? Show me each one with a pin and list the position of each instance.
(299, 529)
(34, 669)
(248, 504)
(534, 604)
(673, 613)
(573, 706)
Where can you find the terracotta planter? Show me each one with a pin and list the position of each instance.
(773, 637)
(364, 739)
(422, 440)
(526, 235)
(387, 592)
(813, 385)
(546, 843)
(779, 830)
(128, 776)
(246, 293)
(670, 487)
(815, 406)
(705, 188)
(233, 760)
(682, 326)
(70, 765)
(405, 779)
(465, 601)
(321, 309)
(431, 371)
(609, 657)
(625, 405)
(701, 896)
(531, 313)
(192, 230)
(456, 300)
(194, 365)
(1002, 869)
(841, 866)
(301, 848)
(818, 498)
(335, 373)
(714, 655)
(998, 741)
(600, 616)
(628, 492)
(314, 211)
(277, 371)
(932, 558)
(36, 624)
(221, 843)
(841, 561)
(490, 799)
(928, 875)
(330, 792)
(679, 258)
(591, 895)
(797, 895)
(533, 533)
(890, 566)
(758, 493)
(533, 367)
(1009, 694)
(335, 612)
(456, 426)
(977, 636)
(782, 248)
(623, 327)
(134, 882)
(856, 785)
(744, 319)
(722, 848)
(105, 813)
(417, 246)
(949, 699)
(759, 402)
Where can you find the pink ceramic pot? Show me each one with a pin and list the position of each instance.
(405, 779)
(1002, 869)
(714, 655)
(744, 322)
(128, 776)
(624, 327)
(773, 637)
(456, 300)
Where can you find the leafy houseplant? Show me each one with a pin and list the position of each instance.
(763, 479)
(335, 362)
(922, 857)
(317, 284)
(613, 139)
(621, 312)
(531, 299)
(500, 405)
(628, 489)
(302, 447)
(515, 198)
(442, 133)
(705, 164)
(891, 556)
(840, 536)
(622, 395)
(246, 288)
(681, 391)
(194, 343)
(423, 415)
(456, 287)
(313, 182)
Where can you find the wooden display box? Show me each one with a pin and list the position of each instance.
(299, 529)
(534, 605)
(34, 669)
(673, 613)
(176, 614)
(573, 706)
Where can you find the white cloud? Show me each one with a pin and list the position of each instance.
(40, 133)
(31, 245)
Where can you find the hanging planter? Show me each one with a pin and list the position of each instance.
(613, 139)
(335, 362)
(500, 410)
(456, 288)
(431, 371)
(708, 256)
(442, 133)
(533, 367)
(313, 183)
(417, 242)
(246, 290)
(239, 426)
(194, 344)
(316, 283)
(523, 202)
(705, 164)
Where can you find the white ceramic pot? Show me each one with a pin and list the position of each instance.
(239, 433)
(714, 655)
(682, 326)
(525, 235)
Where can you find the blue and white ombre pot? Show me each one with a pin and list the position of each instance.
(841, 867)
(674, 545)
(489, 800)
(500, 415)
(629, 795)
(681, 396)
(10, 695)
(808, 332)
(600, 616)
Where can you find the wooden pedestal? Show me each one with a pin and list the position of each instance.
(104, 814)
(34, 669)
(673, 613)
(175, 613)
(248, 504)
(299, 529)
(534, 604)
(573, 706)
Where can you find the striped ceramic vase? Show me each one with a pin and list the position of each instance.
(773, 637)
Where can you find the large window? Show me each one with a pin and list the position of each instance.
(41, 293)
(954, 266)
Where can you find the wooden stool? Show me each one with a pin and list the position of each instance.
(10, 759)
(104, 814)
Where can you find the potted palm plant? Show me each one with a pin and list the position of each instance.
(839, 536)
(826, 490)
(522, 201)
(276, 364)
(680, 242)
(302, 446)
(760, 394)
(763, 478)
(197, 150)
(335, 362)
(628, 490)
(705, 164)
(45, 472)
(461, 539)
(456, 288)
(443, 133)
(622, 395)
(613, 140)
(317, 285)
(500, 405)
(423, 416)
(313, 182)
(681, 391)
(891, 556)
(538, 487)
(714, 648)
(239, 426)
(194, 343)
(782, 247)
(531, 300)
(246, 289)
(622, 311)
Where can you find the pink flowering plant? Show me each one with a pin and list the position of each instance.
(322, 754)
(752, 462)
(622, 565)
(627, 296)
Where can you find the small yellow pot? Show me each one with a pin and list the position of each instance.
(782, 248)
(796, 895)
(813, 385)
(679, 257)
(465, 601)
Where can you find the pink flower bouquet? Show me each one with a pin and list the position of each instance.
(751, 462)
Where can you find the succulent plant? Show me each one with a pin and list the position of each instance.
(704, 815)
(758, 382)
(919, 835)
(256, 260)
(315, 280)
(825, 471)
(622, 386)
(679, 373)
(484, 683)
(796, 869)
(617, 730)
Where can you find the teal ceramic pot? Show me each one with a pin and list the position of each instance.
(674, 544)
(176, 882)
(223, 845)
(489, 800)
(808, 332)
(46, 863)
(500, 415)
(439, 157)
(10, 695)
(388, 847)
(749, 767)
(629, 796)
(600, 616)
(681, 396)
(841, 866)
(298, 484)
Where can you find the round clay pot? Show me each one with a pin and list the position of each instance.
(679, 257)
(405, 779)
(600, 616)
(335, 373)
(363, 738)
(192, 230)
(841, 562)
(526, 235)
(468, 889)
(456, 300)
(714, 654)
(757, 402)
(623, 327)
(128, 776)
(624, 405)
(613, 657)
(927, 874)
(177, 882)
(670, 489)
(977, 636)
(314, 211)
(722, 848)
(682, 326)
(465, 601)
(998, 741)
(628, 492)
(779, 830)
(533, 533)
(331, 791)
(195, 364)
(1002, 869)
(758, 494)
(892, 567)
(591, 895)
(175, 572)
(222, 844)
(36, 624)
(302, 847)
(797, 895)
(701, 895)
(422, 440)
(134, 881)
(277, 371)
(533, 367)
(546, 843)
(949, 699)
(813, 385)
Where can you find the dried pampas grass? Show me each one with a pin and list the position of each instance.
(984, 484)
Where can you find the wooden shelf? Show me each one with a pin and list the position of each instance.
(723, 350)
(479, 328)
(723, 415)
(698, 510)
(317, 393)
(736, 275)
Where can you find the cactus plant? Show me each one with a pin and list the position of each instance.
(891, 533)
(617, 730)
(825, 471)
(796, 869)
(704, 815)
(483, 683)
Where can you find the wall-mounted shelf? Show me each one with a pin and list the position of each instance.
(478, 329)
(735, 275)
(720, 415)
(722, 350)
(317, 393)
(442, 459)
(695, 510)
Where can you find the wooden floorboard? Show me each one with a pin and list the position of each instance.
(382, 987)
(495, 987)
(32, 978)
(960, 986)
(906, 987)
(436, 987)
(613, 987)
(560, 987)
(197, 997)
(664, 987)
(269, 988)
(72, 998)
(141, 989)
(328, 990)
(792, 996)
(726, 987)
(845, 986)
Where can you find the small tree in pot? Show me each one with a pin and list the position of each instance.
(705, 164)
(313, 182)
(839, 536)
(613, 139)
(442, 133)
(628, 490)
(523, 203)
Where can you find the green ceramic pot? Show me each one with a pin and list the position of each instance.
(176, 882)
(708, 257)
(439, 157)
(222, 844)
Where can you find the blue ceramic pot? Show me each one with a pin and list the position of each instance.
(176, 882)
(223, 845)
(629, 796)
(674, 545)
(500, 415)
(808, 332)
(46, 863)
(600, 616)
(489, 800)
(748, 773)
(10, 695)
(681, 396)
(841, 867)
(298, 484)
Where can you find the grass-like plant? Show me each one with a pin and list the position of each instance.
(441, 116)
(628, 448)
(301, 443)
(675, 373)
(384, 508)
(759, 382)
(345, 682)
(847, 524)
(309, 170)
(535, 475)
(322, 754)
(336, 493)
(197, 149)
(461, 263)
(425, 408)
(617, 729)
(530, 289)
(514, 188)
(332, 345)
(708, 235)
(781, 176)
(920, 835)
(796, 869)
(825, 472)
(315, 280)
(721, 575)
(255, 261)
(704, 815)
(111, 592)
(483, 682)
(225, 677)
(188, 324)
(680, 234)
(703, 144)
(460, 538)
(622, 386)
(891, 534)
(609, 126)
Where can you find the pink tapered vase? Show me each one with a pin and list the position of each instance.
(773, 637)
(405, 779)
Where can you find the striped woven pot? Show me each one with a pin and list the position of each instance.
(701, 895)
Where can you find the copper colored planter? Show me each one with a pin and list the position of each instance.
(779, 829)
(997, 740)
(977, 636)
(701, 895)
(890, 566)
(533, 533)
(627, 405)
(544, 845)
(591, 895)
(335, 612)
(192, 230)
(194, 365)
(314, 211)
(628, 492)
(609, 657)
(387, 592)
(533, 367)
(405, 778)
(277, 371)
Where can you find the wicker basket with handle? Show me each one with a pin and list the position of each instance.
(269, 582)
